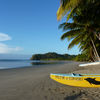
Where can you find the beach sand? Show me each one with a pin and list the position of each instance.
(35, 84)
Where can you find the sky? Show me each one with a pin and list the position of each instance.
(31, 27)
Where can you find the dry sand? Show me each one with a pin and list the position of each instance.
(35, 84)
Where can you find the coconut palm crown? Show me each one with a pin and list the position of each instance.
(84, 30)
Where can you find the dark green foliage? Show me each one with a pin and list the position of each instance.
(82, 57)
(53, 56)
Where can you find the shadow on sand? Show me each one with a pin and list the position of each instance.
(74, 97)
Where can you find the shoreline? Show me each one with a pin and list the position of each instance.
(35, 84)
(15, 65)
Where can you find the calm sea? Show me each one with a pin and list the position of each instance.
(6, 64)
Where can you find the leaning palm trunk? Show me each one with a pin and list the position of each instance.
(93, 58)
(94, 55)
(97, 35)
(95, 51)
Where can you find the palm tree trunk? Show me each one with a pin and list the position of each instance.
(95, 51)
(98, 36)
(95, 56)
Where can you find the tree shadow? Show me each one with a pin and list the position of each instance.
(73, 97)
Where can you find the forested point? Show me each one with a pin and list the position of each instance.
(52, 56)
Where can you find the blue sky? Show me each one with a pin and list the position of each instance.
(30, 26)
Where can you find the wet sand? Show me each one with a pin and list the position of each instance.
(35, 84)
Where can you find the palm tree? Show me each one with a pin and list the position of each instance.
(78, 34)
(85, 26)
(71, 6)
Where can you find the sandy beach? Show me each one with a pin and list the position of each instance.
(35, 84)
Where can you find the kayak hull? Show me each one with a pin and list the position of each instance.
(79, 80)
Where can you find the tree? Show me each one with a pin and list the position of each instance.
(70, 6)
(85, 28)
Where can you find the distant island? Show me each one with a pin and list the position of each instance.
(52, 56)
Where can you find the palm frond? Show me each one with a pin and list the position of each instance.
(71, 33)
(65, 6)
(75, 41)
(70, 26)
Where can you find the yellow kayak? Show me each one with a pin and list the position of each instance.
(79, 80)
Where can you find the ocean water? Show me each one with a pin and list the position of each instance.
(17, 63)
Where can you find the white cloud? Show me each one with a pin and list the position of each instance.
(4, 37)
(6, 49)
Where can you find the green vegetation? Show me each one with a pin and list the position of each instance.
(52, 56)
(84, 30)
(81, 57)
(55, 56)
